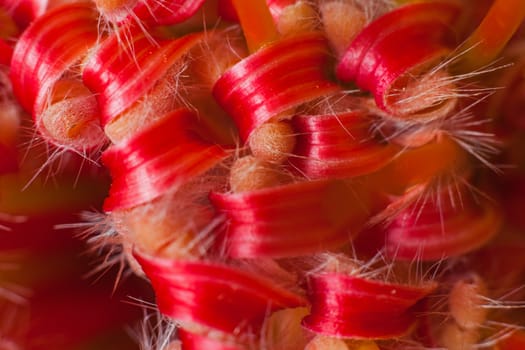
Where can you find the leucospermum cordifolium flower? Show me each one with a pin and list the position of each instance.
(331, 174)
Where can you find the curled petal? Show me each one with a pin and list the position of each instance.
(47, 49)
(442, 226)
(274, 80)
(215, 295)
(338, 146)
(352, 307)
(291, 220)
(120, 76)
(398, 44)
(161, 158)
(45, 57)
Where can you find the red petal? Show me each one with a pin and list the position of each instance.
(215, 295)
(121, 76)
(159, 159)
(353, 307)
(277, 78)
(338, 146)
(290, 220)
(49, 47)
(395, 44)
(442, 227)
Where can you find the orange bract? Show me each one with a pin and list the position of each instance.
(421, 165)
(488, 40)
(257, 23)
